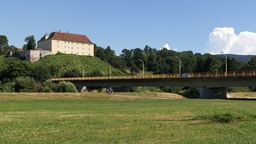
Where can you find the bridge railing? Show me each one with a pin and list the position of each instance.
(192, 75)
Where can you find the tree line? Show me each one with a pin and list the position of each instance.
(17, 75)
(167, 61)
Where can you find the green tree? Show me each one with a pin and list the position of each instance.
(127, 57)
(211, 64)
(14, 67)
(134, 70)
(3, 44)
(118, 62)
(189, 61)
(251, 64)
(13, 48)
(199, 63)
(40, 73)
(31, 43)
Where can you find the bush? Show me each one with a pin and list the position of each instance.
(144, 89)
(238, 89)
(171, 89)
(46, 86)
(73, 73)
(7, 87)
(24, 84)
(64, 87)
(95, 73)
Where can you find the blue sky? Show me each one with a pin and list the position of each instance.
(200, 26)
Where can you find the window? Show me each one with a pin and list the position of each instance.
(89, 49)
(64, 46)
(57, 41)
(83, 48)
(71, 47)
(77, 48)
(68, 47)
(71, 52)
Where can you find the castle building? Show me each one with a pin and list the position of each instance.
(66, 43)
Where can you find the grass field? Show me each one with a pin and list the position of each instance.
(124, 118)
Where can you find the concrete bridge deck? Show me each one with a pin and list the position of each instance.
(211, 83)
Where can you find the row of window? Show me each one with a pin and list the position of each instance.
(72, 43)
(72, 47)
(76, 53)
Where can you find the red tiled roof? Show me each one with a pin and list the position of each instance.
(65, 36)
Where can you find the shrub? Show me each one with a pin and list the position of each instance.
(7, 87)
(46, 86)
(64, 87)
(95, 73)
(24, 84)
(40, 73)
(171, 89)
(238, 89)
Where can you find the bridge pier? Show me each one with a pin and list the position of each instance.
(213, 92)
(81, 88)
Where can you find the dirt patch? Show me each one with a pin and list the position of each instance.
(170, 95)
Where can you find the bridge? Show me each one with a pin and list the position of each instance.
(212, 85)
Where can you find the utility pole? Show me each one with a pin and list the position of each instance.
(226, 67)
(83, 71)
(142, 66)
(179, 65)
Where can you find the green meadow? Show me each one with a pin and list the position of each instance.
(124, 118)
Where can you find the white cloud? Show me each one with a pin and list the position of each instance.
(225, 40)
(166, 46)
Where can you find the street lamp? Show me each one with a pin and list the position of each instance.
(142, 66)
(179, 65)
(226, 69)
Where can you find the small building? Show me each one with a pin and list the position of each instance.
(33, 55)
(66, 43)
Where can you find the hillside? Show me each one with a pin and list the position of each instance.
(241, 58)
(90, 65)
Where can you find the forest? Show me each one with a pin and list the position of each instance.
(18, 75)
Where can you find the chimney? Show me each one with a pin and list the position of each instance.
(67, 31)
(59, 31)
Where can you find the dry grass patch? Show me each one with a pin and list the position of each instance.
(87, 95)
(242, 95)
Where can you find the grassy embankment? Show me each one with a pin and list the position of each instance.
(124, 118)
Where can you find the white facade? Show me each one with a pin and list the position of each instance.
(65, 46)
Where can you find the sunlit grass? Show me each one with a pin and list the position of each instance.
(124, 118)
